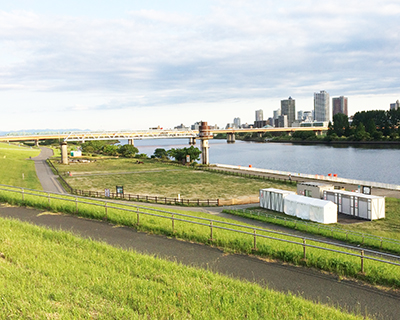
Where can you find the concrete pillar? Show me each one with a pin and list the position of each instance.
(204, 152)
(64, 153)
(131, 142)
(192, 141)
(230, 137)
(260, 134)
(37, 143)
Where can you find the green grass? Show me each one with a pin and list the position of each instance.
(159, 179)
(16, 168)
(374, 272)
(387, 228)
(55, 275)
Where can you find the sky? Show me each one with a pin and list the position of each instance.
(117, 65)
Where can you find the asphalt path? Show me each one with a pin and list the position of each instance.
(308, 283)
(46, 177)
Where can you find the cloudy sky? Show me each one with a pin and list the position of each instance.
(127, 64)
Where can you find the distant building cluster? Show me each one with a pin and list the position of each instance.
(287, 116)
(395, 106)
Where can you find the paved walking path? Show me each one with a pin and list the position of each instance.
(308, 283)
(46, 177)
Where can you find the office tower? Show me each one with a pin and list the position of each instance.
(321, 106)
(288, 108)
(300, 115)
(259, 115)
(277, 113)
(339, 105)
(236, 122)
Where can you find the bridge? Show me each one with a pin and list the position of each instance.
(204, 134)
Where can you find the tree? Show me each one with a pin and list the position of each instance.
(340, 124)
(110, 150)
(180, 154)
(128, 151)
(160, 153)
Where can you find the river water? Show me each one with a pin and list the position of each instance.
(379, 163)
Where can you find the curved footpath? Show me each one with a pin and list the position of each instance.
(46, 177)
(308, 283)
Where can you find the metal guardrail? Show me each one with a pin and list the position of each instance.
(212, 224)
(363, 236)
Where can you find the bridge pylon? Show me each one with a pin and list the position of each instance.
(204, 134)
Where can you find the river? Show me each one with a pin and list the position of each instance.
(379, 163)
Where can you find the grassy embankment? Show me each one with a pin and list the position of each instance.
(160, 179)
(343, 265)
(40, 278)
(16, 168)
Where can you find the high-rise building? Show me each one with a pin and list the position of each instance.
(277, 113)
(300, 115)
(288, 108)
(259, 115)
(236, 122)
(321, 106)
(395, 106)
(283, 121)
(339, 105)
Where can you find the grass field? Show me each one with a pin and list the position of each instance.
(385, 228)
(40, 278)
(343, 265)
(16, 168)
(159, 179)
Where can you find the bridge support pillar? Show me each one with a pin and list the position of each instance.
(131, 142)
(64, 153)
(204, 135)
(205, 152)
(192, 141)
(37, 143)
(230, 137)
(260, 134)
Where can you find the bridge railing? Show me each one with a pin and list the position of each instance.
(255, 233)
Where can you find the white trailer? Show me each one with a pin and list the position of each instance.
(307, 208)
(272, 199)
(313, 189)
(356, 204)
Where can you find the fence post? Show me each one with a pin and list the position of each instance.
(173, 223)
(255, 240)
(362, 261)
(363, 239)
(137, 212)
(76, 204)
(23, 195)
(106, 211)
(211, 231)
(304, 249)
(381, 242)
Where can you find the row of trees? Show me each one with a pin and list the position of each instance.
(367, 125)
(109, 148)
(178, 154)
(128, 151)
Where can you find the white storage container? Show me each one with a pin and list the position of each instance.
(307, 208)
(356, 204)
(272, 199)
(313, 189)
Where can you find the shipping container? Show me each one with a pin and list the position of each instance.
(313, 189)
(313, 209)
(272, 199)
(357, 204)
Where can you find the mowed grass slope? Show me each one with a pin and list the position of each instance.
(159, 179)
(15, 167)
(55, 275)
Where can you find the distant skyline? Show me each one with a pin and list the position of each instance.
(105, 65)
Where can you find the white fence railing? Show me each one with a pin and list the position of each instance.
(314, 177)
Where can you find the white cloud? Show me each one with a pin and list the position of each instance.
(238, 51)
